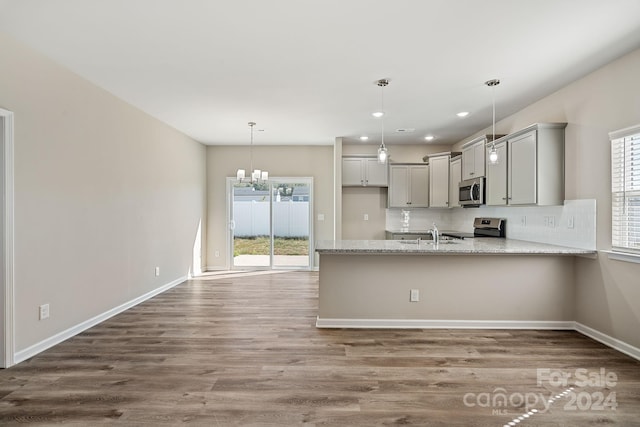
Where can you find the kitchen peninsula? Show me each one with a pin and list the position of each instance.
(475, 283)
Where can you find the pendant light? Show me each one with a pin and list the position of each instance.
(257, 175)
(383, 154)
(493, 153)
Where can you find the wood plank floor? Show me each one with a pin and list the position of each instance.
(242, 349)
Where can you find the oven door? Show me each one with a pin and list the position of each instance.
(471, 192)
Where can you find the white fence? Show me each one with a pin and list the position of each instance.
(291, 219)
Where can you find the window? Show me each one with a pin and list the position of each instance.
(625, 190)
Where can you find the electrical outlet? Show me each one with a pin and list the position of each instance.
(552, 222)
(157, 271)
(43, 312)
(320, 217)
(523, 220)
(570, 222)
(414, 295)
(366, 217)
(545, 221)
(217, 254)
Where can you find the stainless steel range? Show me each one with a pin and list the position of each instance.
(482, 227)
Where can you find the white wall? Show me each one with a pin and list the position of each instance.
(103, 194)
(522, 222)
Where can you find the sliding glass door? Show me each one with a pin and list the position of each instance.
(270, 224)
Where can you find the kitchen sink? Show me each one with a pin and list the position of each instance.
(443, 240)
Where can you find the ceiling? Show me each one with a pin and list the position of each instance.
(305, 70)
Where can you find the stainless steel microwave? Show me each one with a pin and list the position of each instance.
(471, 192)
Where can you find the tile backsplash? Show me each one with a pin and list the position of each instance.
(572, 224)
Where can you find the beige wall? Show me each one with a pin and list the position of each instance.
(103, 194)
(280, 161)
(373, 286)
(607, 291)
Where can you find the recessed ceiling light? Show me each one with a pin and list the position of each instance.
(364, 138)
(377, 114)
(463, 114)
(429, 137)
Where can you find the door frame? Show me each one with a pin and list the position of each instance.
(230, 223)
(7, 289)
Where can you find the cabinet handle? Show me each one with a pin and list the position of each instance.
(472, 173)
(504, 198)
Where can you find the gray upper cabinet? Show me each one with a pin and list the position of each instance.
(364, 171)
(534, 167)
(409, 186)
(455, 174)
(439, 181)
(496, 183)
(473, 155)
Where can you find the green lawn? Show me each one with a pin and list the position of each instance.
(260, 246)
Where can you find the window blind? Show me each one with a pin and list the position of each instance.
(625, 190)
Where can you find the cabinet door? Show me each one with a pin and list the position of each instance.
(455, 174)
(473, 161)
(478, 159)
(522, 169)
(398, 186)
(376, 174)
(497, 177)
(439, 182)
(352, 172)
(468, 162)
(419, 186)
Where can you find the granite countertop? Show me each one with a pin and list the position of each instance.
(476, 246)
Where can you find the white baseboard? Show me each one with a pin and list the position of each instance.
(75, 330)
(214, 268)
(609, 341)
(605, 339)
(441, 324)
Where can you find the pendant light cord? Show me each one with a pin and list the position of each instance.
(492, 84)
(382, 111)
(493, 98)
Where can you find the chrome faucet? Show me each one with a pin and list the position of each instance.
(435, 234)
